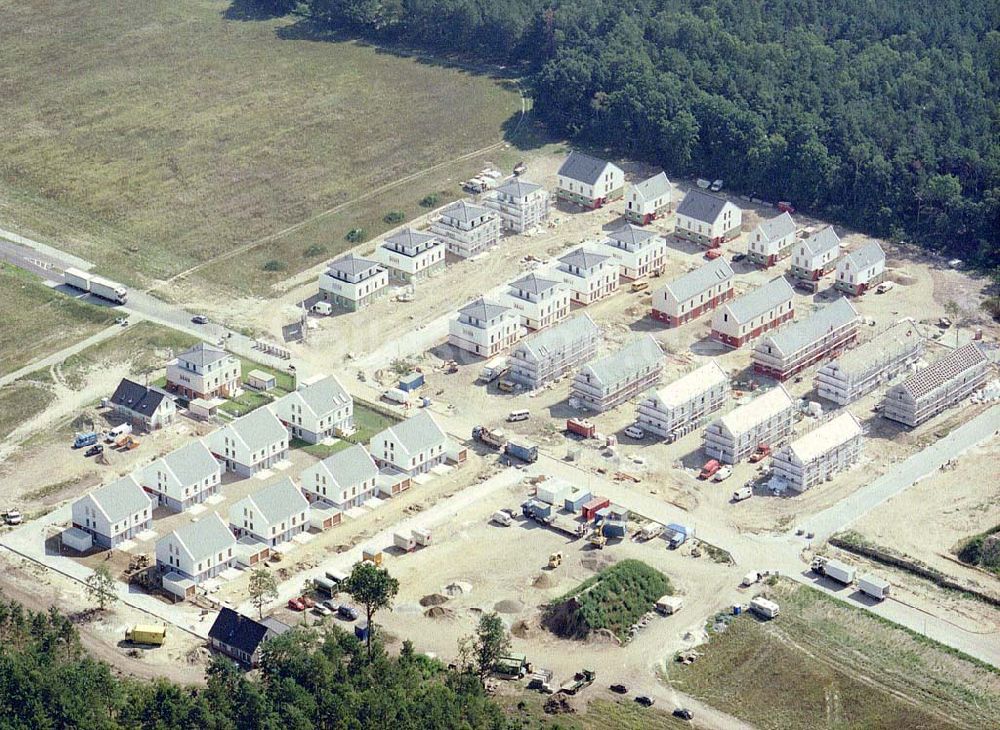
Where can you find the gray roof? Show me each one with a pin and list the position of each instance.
(533, 283)
(418, 432)
(518, 188)
(653, 187)
(822, 241)
(465, 211)
(777, 227)
(323, 396)
(259, 429)
(695, 282)
(351, 466)
(351, 265)
(208, 536)
(121, 499)
(190, 463)
(701, 206)
(203, 354)
(632, 234)
(483, 310)
(795, 336)
(944, 369)
(582, 258)
(885, 347)
(583, 167)
(411, 238)
(637, 355)
(278, 501)
(867, 255)
(755, 303)
(557, 338)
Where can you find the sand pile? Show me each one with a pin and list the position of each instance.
(433, 599)
(508, 605)
(543, 581)
(521, 629)
(439, 612)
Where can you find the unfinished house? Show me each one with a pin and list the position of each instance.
(799, 345)
(485, 328)
(318, 410)
(204, 371)
(695, 293)
(467, 229)
(521, 205)
(860, 270)
(344, 480)
(195, 552)
(540, 301)
(649, 200)
(772, 240)
(942, 384)
(747, 317)
(272, 515)
(114, 513)
(707, 219)
(352, 283)
(589, 182)
(251, 443)
(413, 446)
(411, 256)
(815, 457)
(766, 421)
(183, 478)
(815, 255)
(682, 406)
(608, 381)
(859, 371)
(142, 407)
(589, 274)
(638, 251)
(545, 356)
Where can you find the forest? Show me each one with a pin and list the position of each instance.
(880, 115)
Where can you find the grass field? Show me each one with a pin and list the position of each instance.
(622, 714)
(822, 664)
(19, 401)
(38, 321)
(151, 137)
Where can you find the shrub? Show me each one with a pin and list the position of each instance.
(394, 216)
(355, 235)
(314, 250)
(275, 265)
(429, 201)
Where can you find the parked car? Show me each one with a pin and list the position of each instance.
(738, 257)
(12, 517)
(634, 432)
(645, 701)
(620, 689)
(332, 606)
(716, 186)
(321, 610)
(723, 473)
(713, 253)
(348, 613)
(199, 319)
(307, 601)
(683, 713)
(296, 605)
(94, 450)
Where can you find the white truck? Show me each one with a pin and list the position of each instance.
(744, 492)
(396, 395)
(107, 289)
(838, 571)
(651, 530)
(669, 605)
(77, 279)
(872, 585)
(493, 369)
(501, 518)
(750, 578)
(764, 607)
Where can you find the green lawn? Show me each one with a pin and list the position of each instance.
(368, 422)
(320, 451)
(149, 137)
(283, 382)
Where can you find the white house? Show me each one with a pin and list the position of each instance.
(765, 421)
(815, 457)
(860, 270)
(746, 317)
(272, 515)
(114, 513)
(353, 283)
(143, 407)
(815, 255)
(412, 446)
(545, 356)
(707, 219)
(521, 205)
(345, 479)
(318, 410)
(590, 275)
(799, 345)
(467, 229)
(604, 383)
(251, 443)
(589, 182)
(694, 293)
(184, 477)
(196, 551)
(649, 200)
(929, 391)
(682, 406)
(410, 255)
(540, 301)
(204, 371)
(772, 240)
(484, 328)
(638, 251)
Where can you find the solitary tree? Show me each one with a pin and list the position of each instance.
(262, 589)
(101, 587)
(374, 588)
(954, 312)
(487, 646)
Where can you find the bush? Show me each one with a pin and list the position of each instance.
(429, 201)
(275, 265)
(314, 250)
(355, 235)
(394, 216)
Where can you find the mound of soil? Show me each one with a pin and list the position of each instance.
(521, 629)
(508, 605)
(433, 599)
(901, 278)
(439, 612)
(558, 704)
(543, 581)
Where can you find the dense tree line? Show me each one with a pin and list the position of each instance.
(880, 114)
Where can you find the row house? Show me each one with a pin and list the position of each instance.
(317, 410)
(545, 356)
(590, 276)
(144, 408)
(649, 200)
(604, 383)
(638, 251)
(541, 302)
(114, 513)
(707, 219)
(745, 318)
(272, 515)
(413, 446)
(814, 458)
(863, 369)
(485, 328)
(352, 283)
(765, 421)
(798, 345)
(204, 371)
(251, 443)
(772, 240)
(467, 229)
(682, 406)
(521, 205)
(195, 552)
(862, 269)
(183, 478)
(588, 181)
(409, 256)
(695, 293)
(344, 480)
(942, 384)
(815, 254)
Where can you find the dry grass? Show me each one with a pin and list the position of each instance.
(599, 714)
(19, 401)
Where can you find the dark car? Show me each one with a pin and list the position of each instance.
(739, 257)
(619, 689)
(683, 713)
(645, 701)
(200, 319)
(348, 613)
(94, 450)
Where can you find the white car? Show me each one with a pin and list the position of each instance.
(723, 473)
(13, 517)
(634, 432)
(321, 610)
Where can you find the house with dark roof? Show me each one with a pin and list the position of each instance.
(798, 345)
(706, 219)
(638, 251)
(772, 240)
(541, 301)
(352, 283)
(815, 254)
(942, 384)
(588, 181)
(204, 371)
(649, 200)
(241, 638)
(114, 513)
(410, 255)
(695, 293)
(143, 407)
(485, 328)
(861, 269)
(590, 274)
(467, 229)
(521, 205)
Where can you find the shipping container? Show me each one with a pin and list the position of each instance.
(422, 536)
(872, 585)
(404, 541)
(146, 634)
(494, 369)
(614, 528)
(412, 381)
(581, 428)
(523, 451)
(574, 501)
(591, 508)
(552, 491)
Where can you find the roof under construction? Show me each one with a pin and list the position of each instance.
(826, 437)
(886, 347)
(943, 370)
(749, 416)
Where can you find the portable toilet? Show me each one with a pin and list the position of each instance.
(361, 630)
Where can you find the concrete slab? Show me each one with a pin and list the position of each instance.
(422, 478)
(196, 509)
(304, 537)
(263, 474)
(146, 535)
(126, 545)
(215, 499)
(374, 503)
(355, 512)
(442, 469)
(282, 465)
(230, 573)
